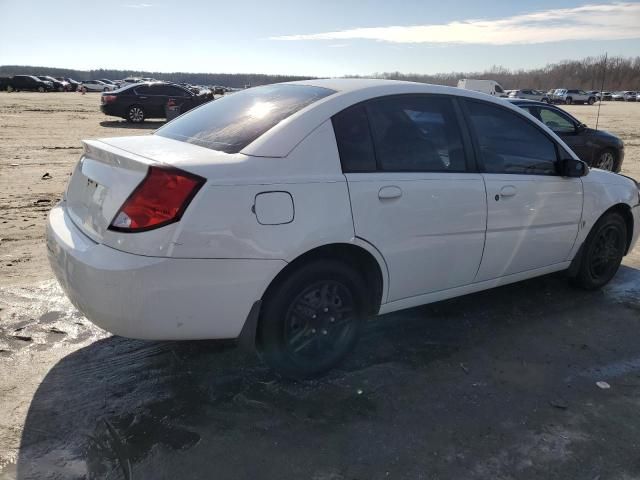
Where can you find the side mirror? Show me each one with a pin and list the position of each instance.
(570, 167)
(581, 127)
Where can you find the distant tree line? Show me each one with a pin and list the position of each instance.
(621, 73)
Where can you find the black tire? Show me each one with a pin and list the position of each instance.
(312, 319)
(568, 101)
(61, 89)
(10, 88)
(545, 100)
(41, 89)
(591, 101)
(105, 89)
(135, 114)
(602, 252)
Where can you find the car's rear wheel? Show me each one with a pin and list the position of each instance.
(602, 252)
(606, 160)
(10, 88)
(135, 114)
(568, 100)
(41, 89)
(312, 319)
(591, 101)
(105, 89)
(61, 89)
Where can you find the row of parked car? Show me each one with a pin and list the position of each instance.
(46, 83)
(568, 97)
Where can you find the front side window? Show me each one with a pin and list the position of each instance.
(499, 89)
(509, 143)
(556, 121)
(233, 122)
(416, 133)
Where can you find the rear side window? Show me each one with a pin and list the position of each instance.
(233, 122)
(416, 134)
(509, 143)
(355, 146)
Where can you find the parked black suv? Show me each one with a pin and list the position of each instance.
(135, 103)
(28, 83)
(597, 148)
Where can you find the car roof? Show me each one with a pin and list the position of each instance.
(283, 138)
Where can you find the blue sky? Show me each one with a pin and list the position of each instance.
(323, 38)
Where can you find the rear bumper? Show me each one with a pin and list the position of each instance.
(152, 297)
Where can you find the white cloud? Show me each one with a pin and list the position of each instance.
(139, 5)
(613, 21)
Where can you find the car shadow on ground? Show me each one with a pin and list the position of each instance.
(136, 126)
(461, 388)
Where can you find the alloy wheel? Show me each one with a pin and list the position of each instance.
(320, 322)
(606, 161)
(607, 251)
(136, 114)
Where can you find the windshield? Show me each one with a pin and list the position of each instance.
(234, 121)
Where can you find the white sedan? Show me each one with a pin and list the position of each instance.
(287, 214)
(97, 86)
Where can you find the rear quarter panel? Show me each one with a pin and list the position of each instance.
(221, 222)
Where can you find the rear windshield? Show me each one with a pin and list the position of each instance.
(234, 121)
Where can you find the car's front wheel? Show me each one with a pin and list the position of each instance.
(41, 89)
(568, 100)
(602, 252)
(591, 101)
(606, 160)
(10, 88)
(135, 114)
(312, 319)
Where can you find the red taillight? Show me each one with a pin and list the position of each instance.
(160, 199)
(108, 98)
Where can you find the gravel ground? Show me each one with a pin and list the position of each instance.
(501, 384)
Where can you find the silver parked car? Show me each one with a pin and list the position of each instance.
(562, 95)
(529, 94)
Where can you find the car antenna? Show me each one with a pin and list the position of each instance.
(604, 71)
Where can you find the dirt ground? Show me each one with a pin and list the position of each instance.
(499, 384)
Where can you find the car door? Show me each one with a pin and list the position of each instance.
(533, 213)
(414, 195)
(574, 135)
(143, 98)
(181, 97)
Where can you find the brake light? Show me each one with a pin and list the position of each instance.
(108, 98)
(160, 199)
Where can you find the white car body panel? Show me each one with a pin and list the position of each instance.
(534, 227)
(435, 217)
(156, 298)
(199, 277)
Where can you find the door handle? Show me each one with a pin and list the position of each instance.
(389, 192)
(142, 98)
(507, 191)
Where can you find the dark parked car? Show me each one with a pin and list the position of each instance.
(598, 148)
(4, 83)
(72, 84)
(135, 103)
(58, 85)
(28, 83)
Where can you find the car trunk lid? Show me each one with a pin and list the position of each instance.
(103, 179)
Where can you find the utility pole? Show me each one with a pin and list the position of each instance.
(604, 71)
